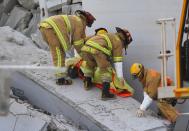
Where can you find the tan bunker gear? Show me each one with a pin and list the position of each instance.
(61, 32)
(151, 81)
(100, 51)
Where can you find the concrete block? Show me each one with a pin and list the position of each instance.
(29, 4)
(19, 18)
(33, 24)
(8, 5)
(3, 19)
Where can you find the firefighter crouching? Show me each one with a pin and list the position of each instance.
(98, 52)
(151, 81)
(61, 32)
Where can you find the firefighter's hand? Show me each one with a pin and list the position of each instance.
(140, 113)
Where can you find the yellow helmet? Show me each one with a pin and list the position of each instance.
(101, 31)
(136, 70)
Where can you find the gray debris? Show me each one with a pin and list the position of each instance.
(3, 19)
(32, 27)
(19, 18)
(29, 4)
(7, 5)
(19, 49)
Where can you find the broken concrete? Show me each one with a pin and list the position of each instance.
(3, 19)
(19, 18)
(30, 53)
(6, 6)
(33, 24)
(23, 116)
(29, 4)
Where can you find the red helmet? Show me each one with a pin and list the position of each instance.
(127, 37)
(89, 17)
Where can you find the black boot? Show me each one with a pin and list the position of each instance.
(63, 81)
(88, 83)
(106, 95)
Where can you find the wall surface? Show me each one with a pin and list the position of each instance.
(139, 17)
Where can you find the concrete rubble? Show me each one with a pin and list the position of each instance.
(84, 108)
(29, 4)
(23, 116)
(19, 18)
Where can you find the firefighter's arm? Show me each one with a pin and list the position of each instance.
(145, 104)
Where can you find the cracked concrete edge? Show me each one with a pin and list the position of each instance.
(74, 106)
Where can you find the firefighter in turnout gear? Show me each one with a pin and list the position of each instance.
(98, 51)
(151, 81)
(61, 32)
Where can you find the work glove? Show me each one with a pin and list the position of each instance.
(140, 113)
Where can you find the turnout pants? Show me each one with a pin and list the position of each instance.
(167, 110)
(97, 59)
(57, 51)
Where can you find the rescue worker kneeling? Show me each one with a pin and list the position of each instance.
(98, 52)
(151, 80)
(61, 32)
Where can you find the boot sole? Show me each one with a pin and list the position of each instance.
(105, 99)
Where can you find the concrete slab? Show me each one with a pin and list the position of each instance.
(33, 24)
(29, 4)
(119, 114)
(19, 18)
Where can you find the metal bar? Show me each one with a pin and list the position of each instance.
(179, 42)
(164, 54)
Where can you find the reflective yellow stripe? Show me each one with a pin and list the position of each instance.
(59, 57)
(79, 42)
(44, 25)
(97, 46)
(117, 59)
(107, 40)
(59, 34)
(67, 21)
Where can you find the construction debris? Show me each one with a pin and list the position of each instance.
(29, 4)
(19, 18)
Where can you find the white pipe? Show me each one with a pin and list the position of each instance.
(164, 54)
(31, 67)
(162, 62)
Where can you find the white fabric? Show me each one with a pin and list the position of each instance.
(119, 69)
(146, 102)
(75, 53)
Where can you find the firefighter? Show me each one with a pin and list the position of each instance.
(61, 32)
(151, 80)
(98, 52)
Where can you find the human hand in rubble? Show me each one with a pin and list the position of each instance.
(140, 113)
